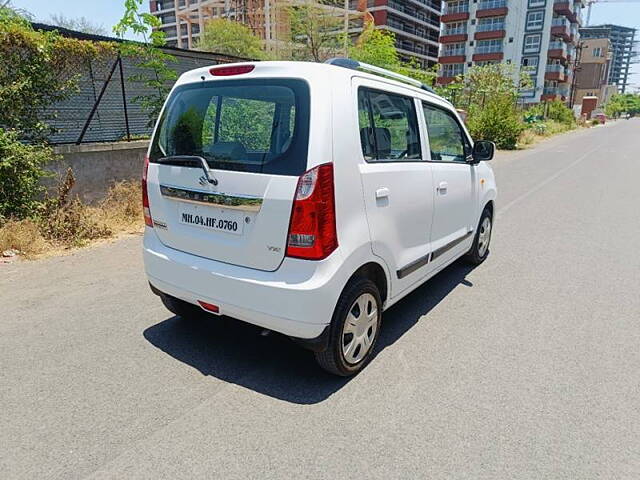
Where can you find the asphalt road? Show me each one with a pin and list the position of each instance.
(526, 367)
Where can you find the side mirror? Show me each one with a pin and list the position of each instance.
(483, 150)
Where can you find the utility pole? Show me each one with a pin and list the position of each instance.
(576, 68)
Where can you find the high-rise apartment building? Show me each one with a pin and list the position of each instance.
(539, 37)
(415, 23)
(623, 52)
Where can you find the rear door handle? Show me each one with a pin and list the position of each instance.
(442, 187)
(382, 192)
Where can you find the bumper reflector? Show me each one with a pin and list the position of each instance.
(209, 307)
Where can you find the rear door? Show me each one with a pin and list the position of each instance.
(224, 165)
(454, 184)
(397, 183)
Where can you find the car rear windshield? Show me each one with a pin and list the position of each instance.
(244, 125)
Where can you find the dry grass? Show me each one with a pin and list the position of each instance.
(65, 224)
(24, 236)
(532, 136)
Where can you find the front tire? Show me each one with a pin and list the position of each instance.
(480, 248)
(355, 328)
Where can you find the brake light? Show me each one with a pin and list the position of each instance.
(145, 195)
(231, 70)
(312, 229)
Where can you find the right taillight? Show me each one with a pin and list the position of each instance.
(312, 230)
(145, 195)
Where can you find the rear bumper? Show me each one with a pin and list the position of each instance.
(297, 300)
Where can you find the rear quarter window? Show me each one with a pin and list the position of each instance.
(244, 125)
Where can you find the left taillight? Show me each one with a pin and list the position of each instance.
(145, 194)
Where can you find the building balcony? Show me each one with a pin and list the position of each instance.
(557, 49)
(489, 34)
(561, 27)
(555, 72)
(444, 80)
(488, 56)
(454, 17)
(563, 7)
(453, 36)
(452, 58)
(492, 8)
(554, 93)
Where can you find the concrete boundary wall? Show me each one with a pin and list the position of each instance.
(98, 166)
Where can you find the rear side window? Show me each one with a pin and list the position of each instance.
(388, 127)
(243, 125)
(446, 139)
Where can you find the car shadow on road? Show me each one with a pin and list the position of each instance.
(273, 365)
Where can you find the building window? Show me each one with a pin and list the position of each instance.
(484, 63)
(489, 46)
(490, 24)
(489, 4)
(597, 52)
(532, 43)
(453, 49)
(535, 20)
(529, 64)
(455, 28)
(452, 69)
(537, 3)
(456, 7)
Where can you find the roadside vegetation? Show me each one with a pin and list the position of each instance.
(626, 103)
(39, 69)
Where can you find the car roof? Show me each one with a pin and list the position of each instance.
(307, 70)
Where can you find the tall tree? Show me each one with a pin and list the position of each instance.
(229, 37)
(316, 31)
(151, 57)
(80, 24)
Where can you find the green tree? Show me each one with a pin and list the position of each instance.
(378, 47)
(623, 103)
(230, 37)
(316, 31)
(489, 94)
(150, 57)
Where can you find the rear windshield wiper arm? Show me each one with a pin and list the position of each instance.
(191, 160)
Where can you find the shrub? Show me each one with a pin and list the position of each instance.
(22, 235)
(37, 70)
(558, 111)
(498, 121)
(21, 167)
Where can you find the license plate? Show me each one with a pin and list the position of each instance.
(212, 219)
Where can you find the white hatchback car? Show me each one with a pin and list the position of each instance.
(307, 198)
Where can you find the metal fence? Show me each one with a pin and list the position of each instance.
(103, 109)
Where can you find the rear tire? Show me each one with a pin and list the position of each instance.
(355, 328)
(180, 308)
(480, 248)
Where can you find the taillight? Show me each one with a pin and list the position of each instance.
(312, 230)
(145, 195)
(231, 70)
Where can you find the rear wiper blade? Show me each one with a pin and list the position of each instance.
(190, 161)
